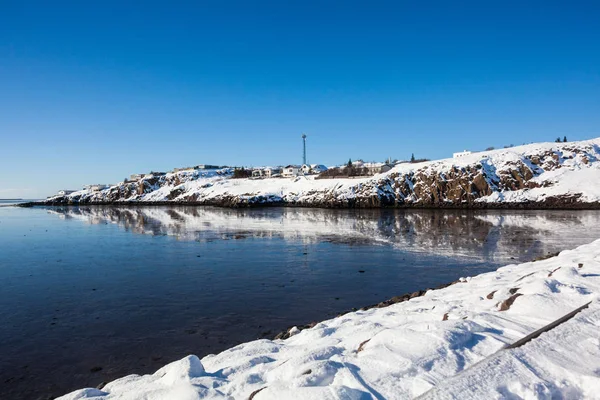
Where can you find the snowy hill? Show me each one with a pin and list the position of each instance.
(540, 175)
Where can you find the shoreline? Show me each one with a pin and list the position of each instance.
(549, 204)
(475, 317)
(284, 334)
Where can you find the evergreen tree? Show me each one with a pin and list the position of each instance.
(565, 139)
(412, 158)
(557, 140)
(349, 165)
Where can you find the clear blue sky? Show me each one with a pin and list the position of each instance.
(91, 92)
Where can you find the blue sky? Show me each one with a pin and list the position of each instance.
(91, 92)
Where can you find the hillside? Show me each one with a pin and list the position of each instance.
(538, 175)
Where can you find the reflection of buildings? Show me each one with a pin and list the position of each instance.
(493, 234)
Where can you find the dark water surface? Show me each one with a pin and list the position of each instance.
(90, 294)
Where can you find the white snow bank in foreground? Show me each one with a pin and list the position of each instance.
(410, 348)
(560, 364)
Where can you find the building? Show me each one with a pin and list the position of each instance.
(290, 171)
(189, 169)
(313, 169)
(258, 173)
(271, 172)
(461, 154)
(206, 166)
(96, 188)
(65, 192)
(375, 168)
(135, 177)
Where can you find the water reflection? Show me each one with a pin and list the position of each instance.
(484, 235)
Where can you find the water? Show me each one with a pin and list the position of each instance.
(90, 294)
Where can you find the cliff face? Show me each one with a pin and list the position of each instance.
(546, 174)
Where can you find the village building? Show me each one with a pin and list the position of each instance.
(65, 192)
(96, 188)
(461, 154)
(206, 166)
(313, 169)
(374, 168)
(290, 171)
(271, 172)
(135, 177)
(190, 169)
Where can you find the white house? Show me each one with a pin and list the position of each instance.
(98, 187)
(135, 177)
(461, 154)
(376, 167)
(270, 172)
(206, 166)
(290, 171)
(313, 168)
(257, 173)
(65, 192)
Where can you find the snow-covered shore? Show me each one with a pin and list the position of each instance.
(542, 175)
(428, 345)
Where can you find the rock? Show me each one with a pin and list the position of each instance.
(506, 304)
(255, 393)
(553, 271)
(361, 347)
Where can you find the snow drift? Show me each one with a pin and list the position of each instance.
(438, 345)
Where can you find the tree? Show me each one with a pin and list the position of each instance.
(565, 139)
(349, 165)
(239, 173)
(490, 148)
(412, 158)
(557, 140)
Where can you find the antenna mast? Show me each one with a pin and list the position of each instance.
(304, 149)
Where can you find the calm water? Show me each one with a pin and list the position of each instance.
(130, 289)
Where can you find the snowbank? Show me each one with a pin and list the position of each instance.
(408, 349)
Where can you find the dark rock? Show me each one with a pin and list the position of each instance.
(506, 304)
(361, 347)
(255, 393)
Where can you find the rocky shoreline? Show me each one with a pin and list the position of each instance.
(294, 329)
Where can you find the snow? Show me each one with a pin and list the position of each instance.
(562, 169)
(564, 181)
(446, 344)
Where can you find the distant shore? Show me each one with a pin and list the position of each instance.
(547, 204)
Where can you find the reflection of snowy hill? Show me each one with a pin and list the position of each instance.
(545, 174)
(454, 233)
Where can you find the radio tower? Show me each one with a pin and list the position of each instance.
(304, 149)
